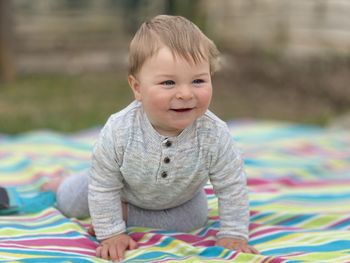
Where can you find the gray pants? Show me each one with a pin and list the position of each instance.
(72, 201)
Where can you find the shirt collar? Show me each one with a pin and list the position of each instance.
(156, 137)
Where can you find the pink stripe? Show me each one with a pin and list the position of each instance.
(209, 191)
(187, 238)
(252, 213)
(292, 183)
(137, 236)
(154, 239)
(79, 243)
(253, 226)
(273, 260)
(204, 243)
(272, 230)
(339, 222)
(83, 252)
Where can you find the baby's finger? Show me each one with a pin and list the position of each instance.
(120, 251)
(133, 244)
(246, 250)
(105, 252)
(249, 249)
(254, 251)
(243, 249)
(98, 251)
(113, 253)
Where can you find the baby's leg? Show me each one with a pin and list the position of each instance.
(72, 195)
(184, 218)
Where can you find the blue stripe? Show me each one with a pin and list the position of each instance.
(296, 220)
(278, 163)
(19, 165)
(38, 252)
(166, 241)
(328, 247)
(44, 236)
(269, 238)
(261, 215)
(214, 251)
(304, 198)
(48, 139)
(279, 133)
(152, 256)
(32, 227)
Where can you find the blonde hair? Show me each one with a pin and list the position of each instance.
(180, 35)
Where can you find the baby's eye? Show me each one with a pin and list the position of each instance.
(168, 83)
(198, 81)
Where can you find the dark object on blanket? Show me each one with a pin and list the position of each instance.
(4, 199)
(12, 202)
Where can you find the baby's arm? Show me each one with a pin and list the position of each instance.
(105, 184)
(229, 182)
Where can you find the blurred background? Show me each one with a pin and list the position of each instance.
(63, 63)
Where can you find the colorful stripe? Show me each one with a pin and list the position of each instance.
(299, 186)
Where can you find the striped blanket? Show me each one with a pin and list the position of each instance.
(298, 177)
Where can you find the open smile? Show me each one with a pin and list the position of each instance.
(182, 110)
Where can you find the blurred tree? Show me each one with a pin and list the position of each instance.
(7, 64)
(192, 10)
(135, 11)
(76, 4)
(131, 11)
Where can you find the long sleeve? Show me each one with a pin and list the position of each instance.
(229, 182)
(105, 184)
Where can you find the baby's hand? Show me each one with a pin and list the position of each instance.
(239, 245)
(113, 248)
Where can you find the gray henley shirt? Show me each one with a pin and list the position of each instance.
(128, 165)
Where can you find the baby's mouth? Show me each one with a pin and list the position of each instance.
(182, 110)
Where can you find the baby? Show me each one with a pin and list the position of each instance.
(153, 158)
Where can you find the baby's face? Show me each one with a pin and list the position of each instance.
(173, 92)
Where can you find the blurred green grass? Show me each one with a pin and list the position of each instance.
(69, 103)
(60, 102)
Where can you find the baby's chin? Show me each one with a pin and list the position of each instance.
(182, 126)
(173, 130)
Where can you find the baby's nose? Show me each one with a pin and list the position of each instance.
(184, 92)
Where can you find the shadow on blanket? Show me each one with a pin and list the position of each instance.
(299, 181)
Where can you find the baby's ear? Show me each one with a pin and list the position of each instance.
(135, 86)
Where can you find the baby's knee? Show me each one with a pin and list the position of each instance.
(69, 209)
(72, 202)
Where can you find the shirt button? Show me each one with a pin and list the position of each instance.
(166, 160)
(168, 143)
(164, 174)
